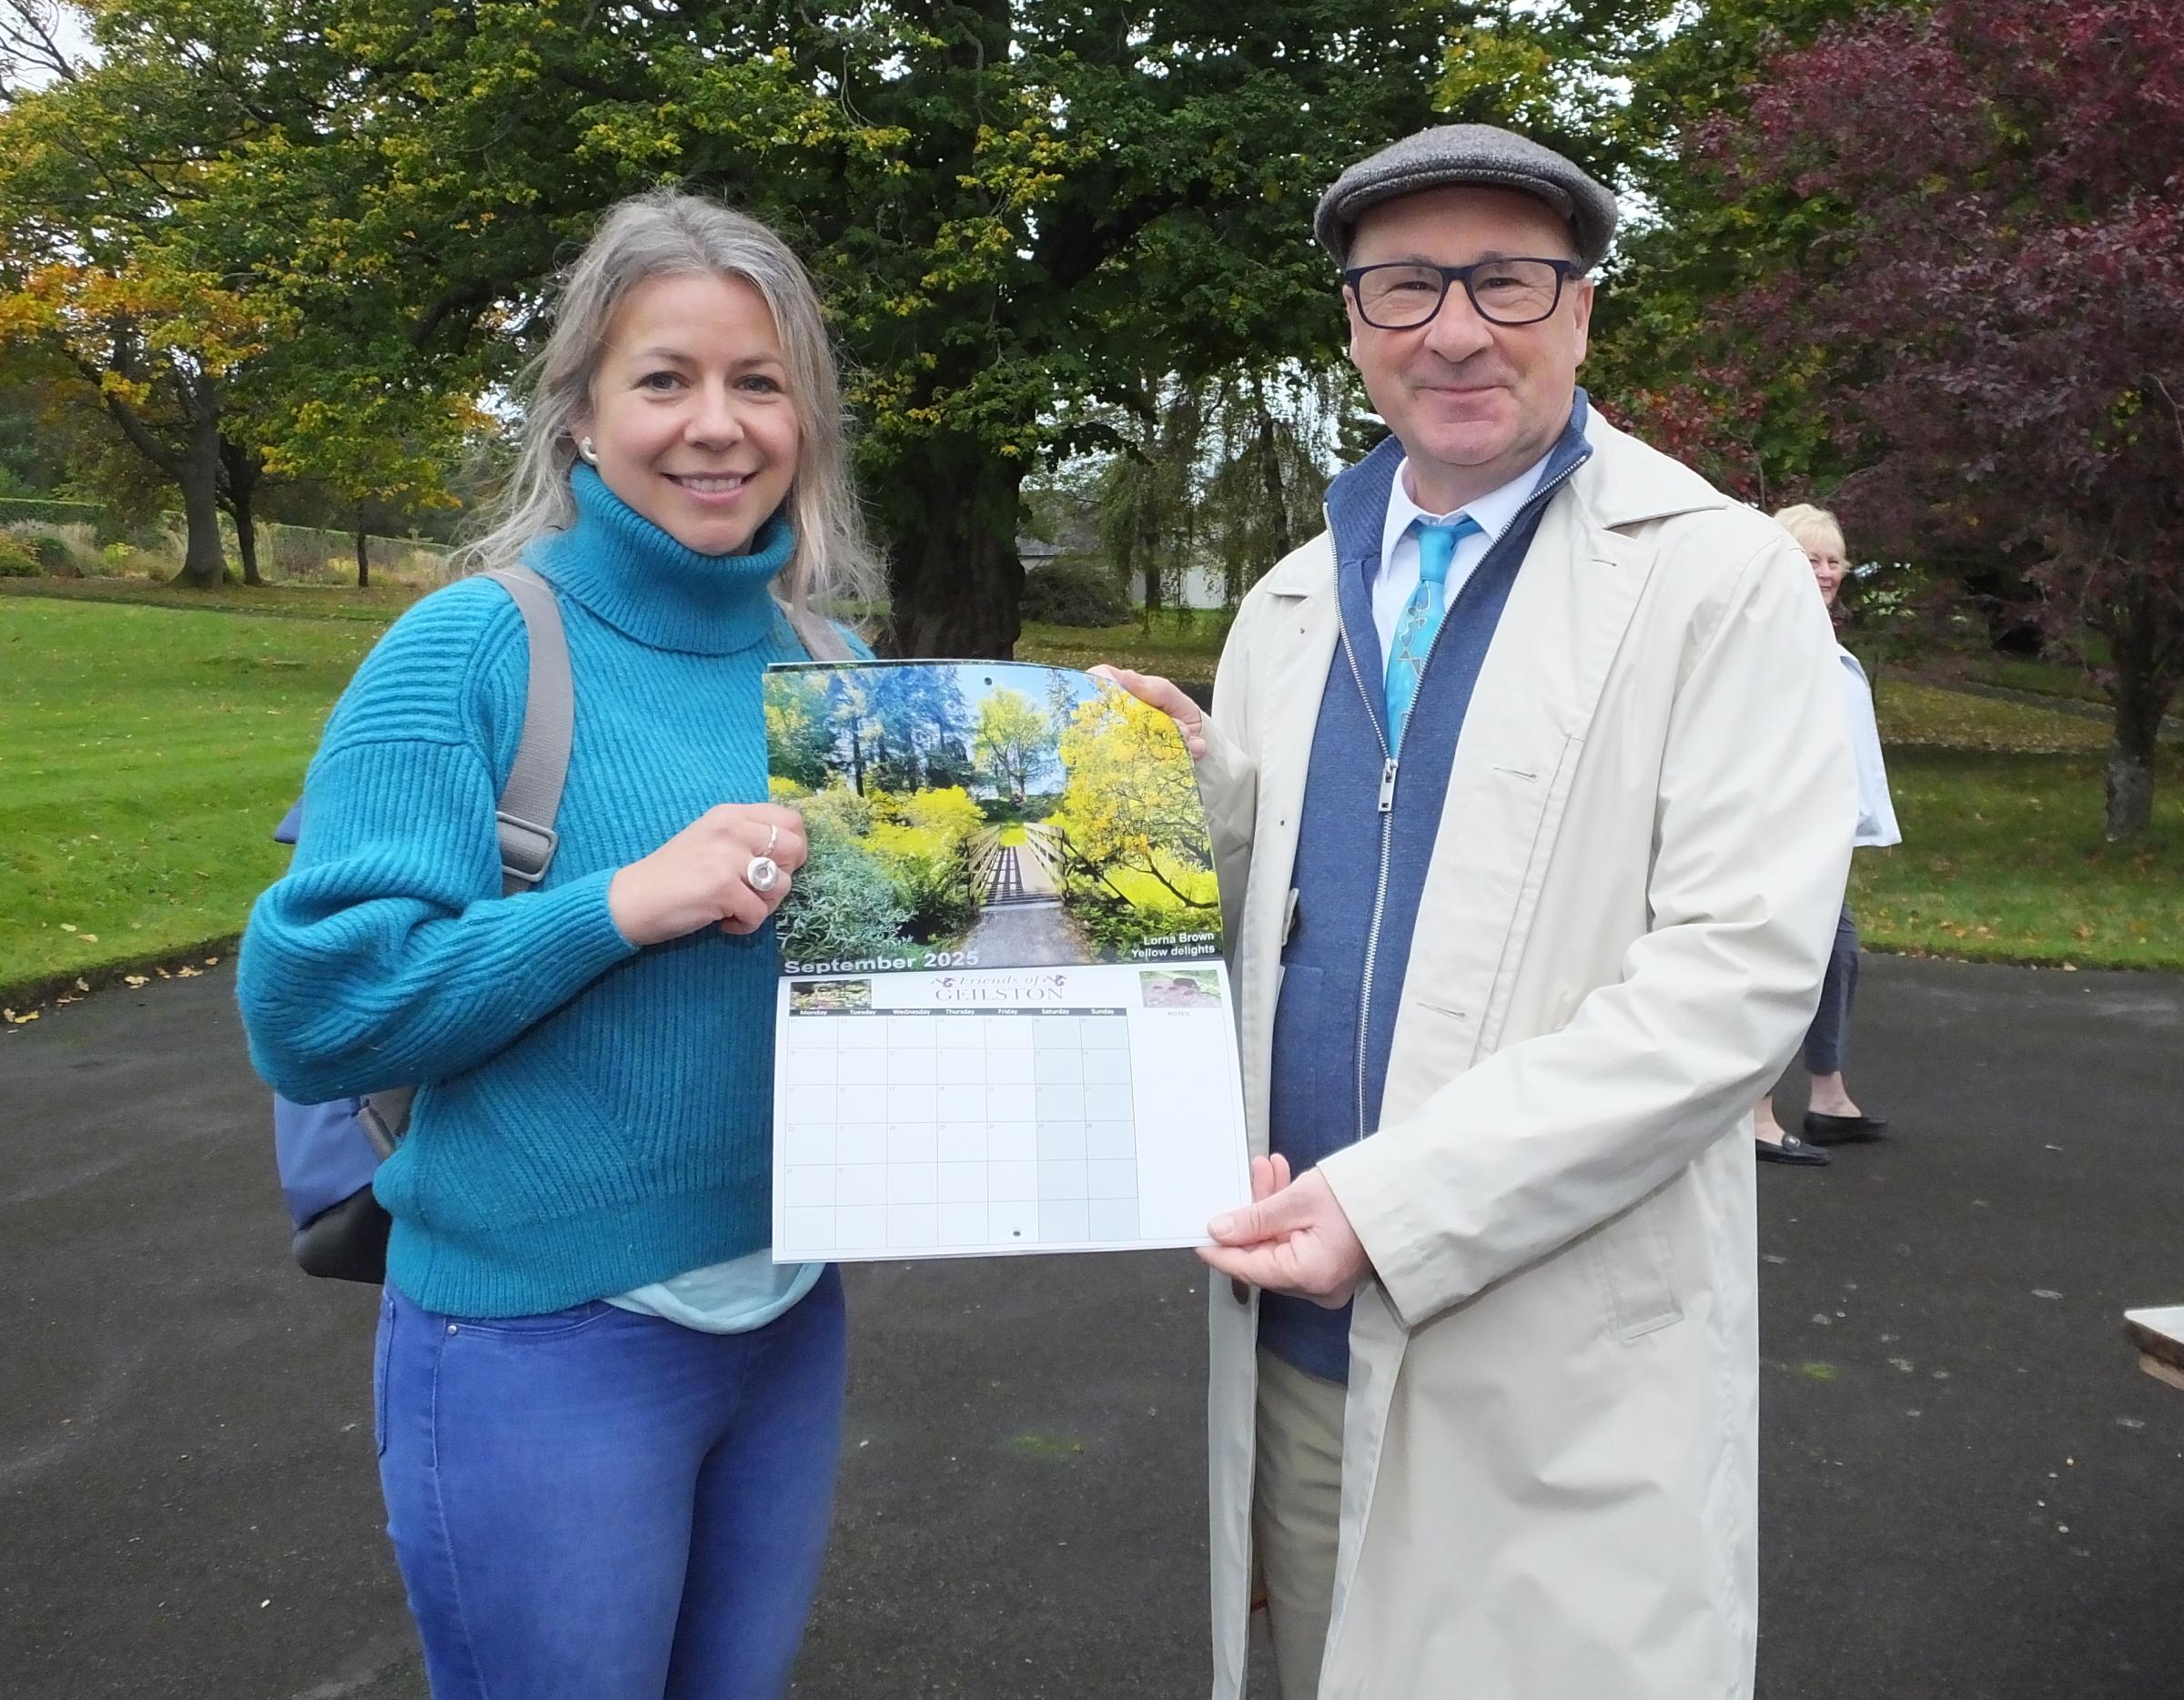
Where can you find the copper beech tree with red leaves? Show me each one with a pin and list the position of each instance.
(1996, 287)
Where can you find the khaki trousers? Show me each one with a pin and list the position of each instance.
(1297, 1515)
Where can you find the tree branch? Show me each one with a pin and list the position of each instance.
(1151, 866)
(2176, 414)
(134, 429)
(27, 41)
(449, 301)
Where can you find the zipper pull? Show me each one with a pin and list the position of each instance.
(1388, 786)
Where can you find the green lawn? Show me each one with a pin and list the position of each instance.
(145, 756)
(1931, 716)
(1186, 651)
(375, 607)
(145, 751)
(2041, 678)
(1185, 648)
(2002, 859)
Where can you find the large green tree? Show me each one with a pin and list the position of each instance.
(1015, 209)
(108, 267)
(1225, 474)
(171, 233)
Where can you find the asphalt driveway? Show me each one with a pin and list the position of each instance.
(1969, 1488)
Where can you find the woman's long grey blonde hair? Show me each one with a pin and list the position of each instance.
(667, 233)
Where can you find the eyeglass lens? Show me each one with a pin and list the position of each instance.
(1505, 292)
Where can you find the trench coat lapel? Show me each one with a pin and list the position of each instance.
(1542, 682)
(1298, 648)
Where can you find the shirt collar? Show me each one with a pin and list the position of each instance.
(1493, 513)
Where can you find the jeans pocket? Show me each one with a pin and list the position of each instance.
(546, 1325)
(383, 1352)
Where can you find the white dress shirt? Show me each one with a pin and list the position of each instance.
(1494, 514)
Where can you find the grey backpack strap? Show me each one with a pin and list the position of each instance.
(529, 801)
(385, 1118)
(533, 796)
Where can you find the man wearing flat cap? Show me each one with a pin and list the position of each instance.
(1524, 777)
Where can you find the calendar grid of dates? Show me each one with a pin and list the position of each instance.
(986, 1128)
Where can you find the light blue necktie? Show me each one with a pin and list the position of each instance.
(1421, 616)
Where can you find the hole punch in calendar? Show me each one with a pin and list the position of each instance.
(1042, 1057)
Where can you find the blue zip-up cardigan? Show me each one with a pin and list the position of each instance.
(1349, 941)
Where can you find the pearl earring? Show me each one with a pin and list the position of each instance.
(586, 449)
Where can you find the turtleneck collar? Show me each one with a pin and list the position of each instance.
(644, 583)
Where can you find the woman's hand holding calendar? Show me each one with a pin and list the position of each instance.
(713, 873)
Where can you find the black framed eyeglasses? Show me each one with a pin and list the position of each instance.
(1403, 295)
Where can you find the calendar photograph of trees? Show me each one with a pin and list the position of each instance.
(987, 814)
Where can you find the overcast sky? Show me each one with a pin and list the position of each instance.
(75, 40)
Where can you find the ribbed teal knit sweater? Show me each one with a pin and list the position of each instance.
(593, 1117)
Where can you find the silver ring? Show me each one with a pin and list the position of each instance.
(773, 838)
(762, 875)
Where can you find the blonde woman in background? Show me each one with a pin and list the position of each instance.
(1832, 1116)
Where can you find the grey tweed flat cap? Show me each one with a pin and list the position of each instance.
(1468, 153)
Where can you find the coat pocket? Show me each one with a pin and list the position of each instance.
(1635, 1273)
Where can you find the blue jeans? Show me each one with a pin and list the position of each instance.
(1826, 1038)
(600, 1505)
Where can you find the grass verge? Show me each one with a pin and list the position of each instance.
(1186, 651)
(2003, 858)
(2003, 861)
(145, 756)
(374, 607)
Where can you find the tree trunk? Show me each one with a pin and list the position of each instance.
(203, 560)
(2130, 787)
(363, 553)
(1277, 503)
(2133, 746)
(1150, 553)
(246, 539)
(952, 508)
(194, 466)
(240, 470)
(2143, 645)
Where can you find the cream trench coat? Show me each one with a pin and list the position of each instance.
(1550, 1455)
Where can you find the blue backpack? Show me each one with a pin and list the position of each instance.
(328, 1153)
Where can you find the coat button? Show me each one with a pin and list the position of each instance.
(1242, 1293)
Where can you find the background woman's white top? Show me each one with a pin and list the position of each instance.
(1876, 814)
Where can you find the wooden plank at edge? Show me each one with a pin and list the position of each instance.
(2157, 1346)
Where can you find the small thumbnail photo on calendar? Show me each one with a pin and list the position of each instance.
(1180, 988)
(808, 996)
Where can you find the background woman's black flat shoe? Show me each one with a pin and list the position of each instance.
(1791, 1150)
(1841, 1130)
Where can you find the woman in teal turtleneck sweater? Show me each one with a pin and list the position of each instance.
(607, 1422)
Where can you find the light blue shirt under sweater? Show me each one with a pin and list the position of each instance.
(595, 1117)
